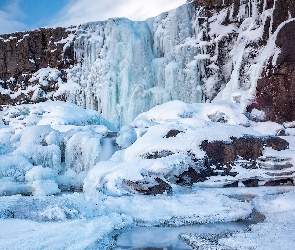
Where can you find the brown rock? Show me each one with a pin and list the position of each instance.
(24, 53)
(173, 133)
(288, 181)
(276, 88)
(281, 132)
(251, 183)
(249, 148)
(234, 184)
(222, 152)
(277, 143)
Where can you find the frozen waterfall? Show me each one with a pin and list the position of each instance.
(129, 67)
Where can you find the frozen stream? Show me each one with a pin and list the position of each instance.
(168, 237)
(108, 146)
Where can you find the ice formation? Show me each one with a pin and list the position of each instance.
(129, 67)
(50, 146)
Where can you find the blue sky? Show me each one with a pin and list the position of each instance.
(20, 15)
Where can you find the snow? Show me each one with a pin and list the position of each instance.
(55, 146)
(49, 150)
(64, 172)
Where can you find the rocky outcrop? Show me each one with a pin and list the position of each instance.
(147, 188)
(276, 88)
(24, 53)
(230, 158)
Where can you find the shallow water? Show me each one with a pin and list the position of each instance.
(167, 238)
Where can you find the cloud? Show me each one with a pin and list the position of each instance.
(82, 11)
(10, 16)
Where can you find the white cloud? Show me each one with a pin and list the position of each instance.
(82, 11)
(9, 17)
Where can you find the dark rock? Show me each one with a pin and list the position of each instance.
(249, 148)
(189, 177)
(281, 132)
(277, 143)
(234, 184)
(281, 182)
(251, 183)
(284, 9)
(173, 133)
(276, 88)
(156, 155)
(24, 53)
(145, 188)
(222, 152)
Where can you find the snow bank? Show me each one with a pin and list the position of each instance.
(148, 151)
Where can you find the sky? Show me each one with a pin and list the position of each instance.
(21, 15)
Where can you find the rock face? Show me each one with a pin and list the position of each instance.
(230, 158)
(276, 88)
(24, 53)
(202, 51)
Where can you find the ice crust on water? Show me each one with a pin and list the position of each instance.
(76, 221)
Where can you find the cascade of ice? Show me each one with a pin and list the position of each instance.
(129, 67)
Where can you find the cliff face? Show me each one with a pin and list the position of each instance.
(204, 51)
(23, 54)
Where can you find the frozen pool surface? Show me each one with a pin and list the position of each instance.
(168, 237)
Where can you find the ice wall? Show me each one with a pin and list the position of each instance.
(129, 67)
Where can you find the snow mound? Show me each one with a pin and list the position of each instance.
(52, 113)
